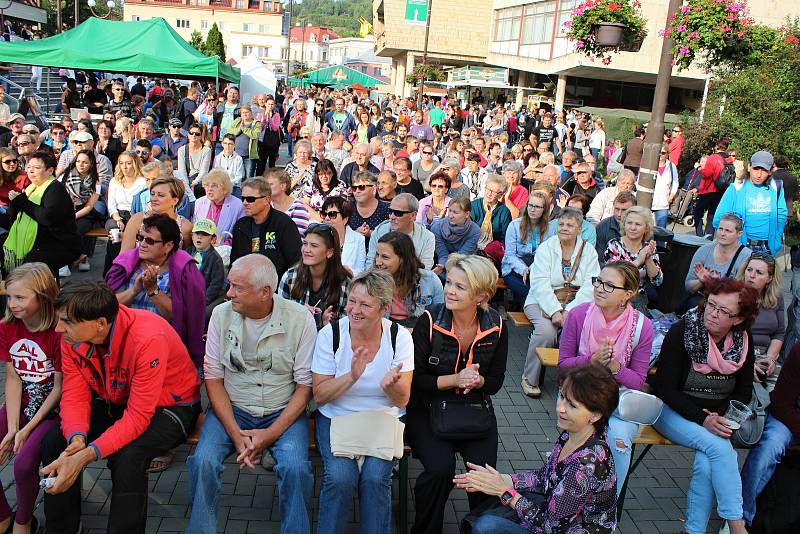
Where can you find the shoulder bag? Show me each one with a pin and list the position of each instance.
(566, 293)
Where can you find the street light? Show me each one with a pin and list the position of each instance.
(110, 4)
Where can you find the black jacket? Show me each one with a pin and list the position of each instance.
(213, 270)
(278, 239)
(57, 232)
(489, 349)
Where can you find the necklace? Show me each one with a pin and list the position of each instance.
(463, 332)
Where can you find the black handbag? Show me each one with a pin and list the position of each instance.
(459, 419)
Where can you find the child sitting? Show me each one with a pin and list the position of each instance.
(204, 235)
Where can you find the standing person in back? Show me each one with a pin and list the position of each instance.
(709, 195)
(634, 150)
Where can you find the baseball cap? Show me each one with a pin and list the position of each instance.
(80, 137)
(451, 162)
(762, 160)
(205, 226)
(175, 122)
(15, 116)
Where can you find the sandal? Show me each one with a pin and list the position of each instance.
(161, 463)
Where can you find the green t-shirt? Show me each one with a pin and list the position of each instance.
(227, 119)
(436, 116)
(338, 119)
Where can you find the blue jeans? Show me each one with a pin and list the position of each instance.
(295, 477)
(518, 288)
(625, 432)
(237, 191)
(492, 524)
(290, 146)
(662, 218)
(343, 478)
(715, 471)
(761, 462)
(249, 167)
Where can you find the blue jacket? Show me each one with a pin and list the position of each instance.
(348, 126)
(734, 200)
(466, 245)
(428, 292)
(515, 248)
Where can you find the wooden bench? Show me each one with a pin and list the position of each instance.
(648, 436)
(96, 232)
(402, 468)
(519, 318)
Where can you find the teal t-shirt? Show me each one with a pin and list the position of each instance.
(338, 120)
(227, 119)
(436, 116)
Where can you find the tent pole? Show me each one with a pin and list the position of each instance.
(47, 96)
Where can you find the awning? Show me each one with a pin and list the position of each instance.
(134, 47)
(337, 76)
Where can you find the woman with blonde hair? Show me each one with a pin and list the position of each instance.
(128, 180)
(219, 204)
(32, 386)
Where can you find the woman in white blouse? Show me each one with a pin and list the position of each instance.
(127, 181)
(336, 211)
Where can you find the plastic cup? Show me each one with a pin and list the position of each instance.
(737, 414)
(115, 237)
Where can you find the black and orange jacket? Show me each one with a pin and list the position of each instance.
(444, 356)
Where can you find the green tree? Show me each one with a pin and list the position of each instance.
(214, 45)
(339, 15)
(196, 40)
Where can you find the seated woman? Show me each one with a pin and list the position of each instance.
(364, 367)
(769, 327)
(415, 288)
(454, 233)
(280, 185)
(324, 184)
(574, 490)
(588, 231)
(560, 279)
(706, 361)
(165, 194)
(83, 185)
(434, 206)
(127, 181)
(516, 194)
(301, 168)
(336, 211)
(523, 237)
(219, 204)
(44, 227)
(610, 332)
(159, 276)
(12, 177)
(318, 280)
(637, 246)
(460, 352)
(493, 217)
(720, 259)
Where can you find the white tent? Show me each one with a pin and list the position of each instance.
(256, 78)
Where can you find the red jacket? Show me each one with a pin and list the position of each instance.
(146, 366)
(711, 170)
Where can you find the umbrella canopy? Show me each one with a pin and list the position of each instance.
(338, 76)
(134, 47)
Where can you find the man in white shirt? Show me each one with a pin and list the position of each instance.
(603, 204)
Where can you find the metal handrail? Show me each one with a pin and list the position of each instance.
(15, 85)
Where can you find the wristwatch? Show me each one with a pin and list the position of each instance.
(155, 292)
(508, 496)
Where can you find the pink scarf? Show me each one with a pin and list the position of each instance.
(215, 210)
(596, 330)
(716, 362)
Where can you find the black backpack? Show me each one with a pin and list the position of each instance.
(335, 331)
(726, 177)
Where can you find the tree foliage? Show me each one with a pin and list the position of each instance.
(339, 15)
(196, 40)
(68, 13)
(214, 45)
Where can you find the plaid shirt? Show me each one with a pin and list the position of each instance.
(287, 282)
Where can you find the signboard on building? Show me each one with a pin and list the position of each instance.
(478, 74)
(416, 11)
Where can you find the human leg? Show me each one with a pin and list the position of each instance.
(700, 208)
(662, 218)
(375, 495)
(713, 202)
(479, 452)
(5, 508)
(295, 477)
(26, 469)
(492, 524)
(518, 288)
(205, 475)
(338, 485)
(620, 439)
(543, 335)
(761, 462)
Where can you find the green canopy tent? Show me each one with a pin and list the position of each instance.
(337, 76)
(135, 47)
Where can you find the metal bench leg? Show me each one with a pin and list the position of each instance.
(621, 498)
(403, 494)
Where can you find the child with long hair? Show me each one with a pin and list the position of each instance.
(31, 348)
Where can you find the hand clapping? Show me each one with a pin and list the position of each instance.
(391, 377)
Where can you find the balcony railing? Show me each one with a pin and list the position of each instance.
(252, 5)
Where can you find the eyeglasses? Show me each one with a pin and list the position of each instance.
(763, 256)
(195, 134)
(148, 240)
(664, 153)
(722, 312)
(535, 207)
(24, 143)
(330, 214)
(174, 125)
(250, 199)
(494, 191)
(30, 131)
(57, 132)
(143, 153)
(10, 162)
(608, 287)
(320, 227)
(319, 104)
(676, 130)
(362, 187)
(427, 153)
(398, 213)
(581, 172)
(438, 186)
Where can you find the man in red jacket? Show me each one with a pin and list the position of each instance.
(130, 393)
(708, 196)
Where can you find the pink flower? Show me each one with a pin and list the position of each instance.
(732, 16)
(580, 44)
(685, 9)
(734, 7)
(606, 61)
(796, 41)
(568, 23)
(725, 29)
(681, 28)
(683, 51)
(694, 35)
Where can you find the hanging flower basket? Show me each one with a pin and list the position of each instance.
(601, 27)
(429, 72)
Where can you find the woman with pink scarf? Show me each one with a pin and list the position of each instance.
(706, 362)
(609, 331)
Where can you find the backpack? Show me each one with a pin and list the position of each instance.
(335, 330)
(726, 177)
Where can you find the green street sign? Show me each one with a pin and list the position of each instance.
(416, 11)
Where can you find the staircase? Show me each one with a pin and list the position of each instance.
(21, 75)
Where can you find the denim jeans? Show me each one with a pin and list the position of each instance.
(342, 479)
(625, 431)
(761, 463)
(492, 524)
(518, 288)
(249, 167)
(662, 218)
(295, 478)
(715, 471)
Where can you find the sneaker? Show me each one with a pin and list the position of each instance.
(84, 266)
(64, 272)
(531, 391)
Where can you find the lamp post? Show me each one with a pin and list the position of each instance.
(424, 54)
(289, 42)
(110, 4)
(654, 138)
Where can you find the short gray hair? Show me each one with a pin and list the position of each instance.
(260, 269)
(626, 173)
(365, 176)
(411, 201)
(303, 143)
(153, 166)
(365, 146)
(497, 180)
(378, 283)
(572, 213)
(513, 165)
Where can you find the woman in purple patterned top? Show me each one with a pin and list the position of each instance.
(574, 492)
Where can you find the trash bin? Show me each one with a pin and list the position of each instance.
(675, 267)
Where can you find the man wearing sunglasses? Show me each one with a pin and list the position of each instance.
(173, 139)
(402, 218)
(119, 105)
(264, 230)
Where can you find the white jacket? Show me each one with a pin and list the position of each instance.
(666, 184)
(546, 275)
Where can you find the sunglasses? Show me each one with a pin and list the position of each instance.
(398, 213)
(361, 187)
(196, 134)
(143, 152)
(29, 132)
(330, 214)
(321, 227)
(24, 143)
(10, 162)
(763, 256)
(438, 186)
(250, 199)
(148, 240)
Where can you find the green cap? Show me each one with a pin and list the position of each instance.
(205, 226)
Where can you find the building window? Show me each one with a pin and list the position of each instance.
(263, 51)
(221, 26)
(311, 55)
(182, 23)
(376, 71)
(295, 55)
(506, 24)
(246, 27)
(364, 68)
(263, 28)
(135, 17)
(324, 55)
(284, 53)
(240, 4)
(203, 24)
(538, 23)
(247, 50)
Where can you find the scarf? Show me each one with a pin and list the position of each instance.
(706, 356)
(486, 227)
(23, 232)
(215, 210)
(621, 331)
(452, 233)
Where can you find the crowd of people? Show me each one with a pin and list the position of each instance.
(360, 280)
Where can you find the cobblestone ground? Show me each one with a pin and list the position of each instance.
(655, 502)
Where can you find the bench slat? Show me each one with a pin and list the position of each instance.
(519, 319)
(650, 436)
